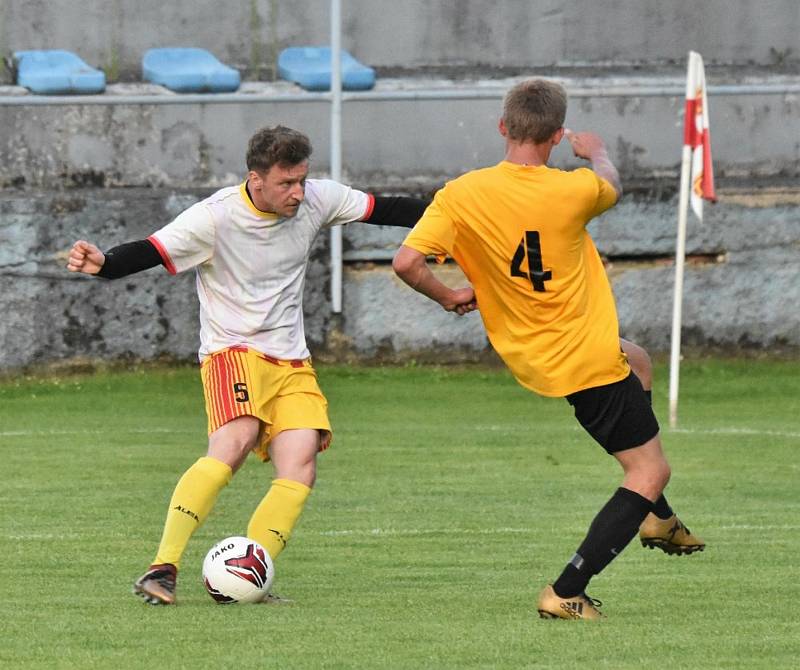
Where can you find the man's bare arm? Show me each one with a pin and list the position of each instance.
(410, 265)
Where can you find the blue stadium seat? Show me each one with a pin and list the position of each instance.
(188, 70)
(311, 68)
(55, 71)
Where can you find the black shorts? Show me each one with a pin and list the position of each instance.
(617, 415)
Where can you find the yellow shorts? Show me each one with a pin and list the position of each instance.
(284, 394)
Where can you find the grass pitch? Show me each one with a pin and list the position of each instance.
(449, 498)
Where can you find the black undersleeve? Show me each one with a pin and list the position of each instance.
(396, 211)
(128, 258)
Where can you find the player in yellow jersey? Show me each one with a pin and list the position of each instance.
(518, 232)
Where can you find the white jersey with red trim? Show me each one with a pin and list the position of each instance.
(251, 265)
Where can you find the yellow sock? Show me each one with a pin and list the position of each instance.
(275, 517)
(191, 502)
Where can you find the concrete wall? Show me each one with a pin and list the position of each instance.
(249, 34)
(742, 283)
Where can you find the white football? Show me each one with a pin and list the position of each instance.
(238, 570)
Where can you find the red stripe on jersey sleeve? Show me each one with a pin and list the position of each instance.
(370, 207)
(163, 253)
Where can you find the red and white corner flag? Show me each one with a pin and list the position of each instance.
(696, 135)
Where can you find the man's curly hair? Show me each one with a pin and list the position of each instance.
(277, 146)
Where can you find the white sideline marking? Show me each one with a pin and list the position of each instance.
(395, 532)
(744, 526)
(419, 531)
(48, 433)
(43, 536)
(138, 431)
(686, 431)
(373, 532)
(732, 431)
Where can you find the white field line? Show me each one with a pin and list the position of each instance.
(405, 532)
(746, 526)
(98, 431)
(491, 428)
(684, 431)
(733, 431)
(366, 532)
(42, 536)
(409, 532)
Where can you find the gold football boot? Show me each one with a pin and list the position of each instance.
(669, 535)
(551, 606)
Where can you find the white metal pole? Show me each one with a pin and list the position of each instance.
(677, 304)
(336, 148)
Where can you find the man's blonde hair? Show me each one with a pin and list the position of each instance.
(534, 109)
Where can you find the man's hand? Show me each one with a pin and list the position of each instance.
(591, 147)
(461, 301)
(585, 144)
(86, 258)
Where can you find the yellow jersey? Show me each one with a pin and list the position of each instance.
(519, 235)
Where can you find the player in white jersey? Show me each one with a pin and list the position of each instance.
(251, 264)
(249, 246)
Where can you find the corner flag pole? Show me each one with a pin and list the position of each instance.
(677, 302)
(697, 184)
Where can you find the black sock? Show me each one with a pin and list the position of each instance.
(573, 579)
(609, 533)
(662, 509)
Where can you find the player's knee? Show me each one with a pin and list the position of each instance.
(649, 477)
(233, 441)
(656, 476)
(657, 470)
(294, 455)
(242, 441)
(303, 472)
